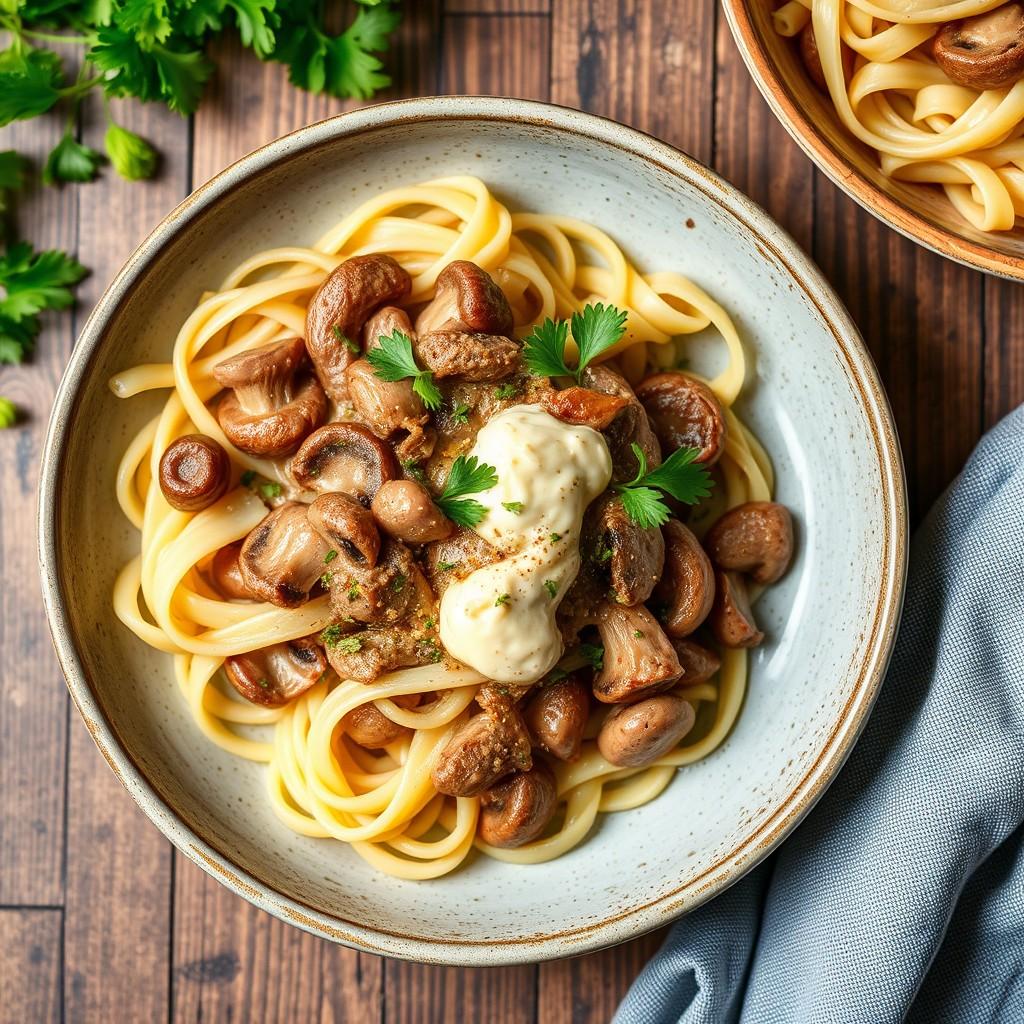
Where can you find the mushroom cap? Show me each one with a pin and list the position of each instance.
(687, 586)
(686, 413)
(631, 425)
(283, 557)
(339, 308)
(637, 735)
(345, 457)
(466, 299)
(384, 323)
(983, 52)
(371, 728)
(516, 810)
(348, 527)
(227, 574)
(731, 619)
(584, 407)
(638, 658)
(699, 663)
(274, 675)
(473, 357)
(754, 538)
(632, 555)
(194, 472)
(266, 368)
(386, 405)
(557, 717)
(406, 511)
(487, 748)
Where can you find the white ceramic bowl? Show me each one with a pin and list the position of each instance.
(813, 397)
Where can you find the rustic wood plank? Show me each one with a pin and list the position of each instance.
(497, 6)
(33, 699)
(644, 63)
(588, 990)
(234, 962)
(30, 978)
(420, 994)
(1004, 351)
(118, 866)
(497, 56)
(920, 315)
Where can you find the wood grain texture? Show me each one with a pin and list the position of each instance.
(1004, 348)
(30, 969)
(419, 994)
(497, 6)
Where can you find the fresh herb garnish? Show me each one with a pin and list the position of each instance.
(132, 156)
(8, 413)
(270, 490)
(595, 330)
(429, 624)
(602, 553)
(430, 649)
(467, 476)
(515, 507)
(555, 538)
(325, 580)
(679, 476)
(509, 390)
(415, 470)
(638, 633)
(446, 566)
(263, 684)
(341, 336)
(593, 654)
(556, 675)
(502, 599)
(247, 478)
(398, 582)
(330, 556)
(460, 413)
(392, 359)
(331, 635)
(551, 587)
(353, 590)
(350, 644)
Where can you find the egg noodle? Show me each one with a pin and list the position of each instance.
(925, 128)
(319, 782)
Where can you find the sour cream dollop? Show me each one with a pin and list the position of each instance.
(500, 620)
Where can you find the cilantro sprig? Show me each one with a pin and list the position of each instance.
(595, 330)
(392, 359)
(680, 476)
(467, 476)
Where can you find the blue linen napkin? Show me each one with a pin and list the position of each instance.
(901, 897)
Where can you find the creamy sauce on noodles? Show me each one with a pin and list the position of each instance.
(500, 620)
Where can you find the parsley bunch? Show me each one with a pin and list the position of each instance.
(595, 329)
(679, 476)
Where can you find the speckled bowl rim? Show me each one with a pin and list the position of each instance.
(776, 245)
(805, 132)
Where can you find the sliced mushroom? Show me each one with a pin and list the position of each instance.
(584, 407)
(812, 59)
(381, 594)
(487, 748)
(557, 717)
(406, 511)
(632, 557)
(194, 472)
(387, 406)
(384, 323)
(274, 675)
(687, 587)
(272, 403)
(631, 426)
(383, 649)
(467, 300)
(473, 357)
(755, 538)
(638, 658)
(340, 307)
(686, 414)
(731, 619)
(517, 810)
(344, 457)
(455, 557)
(283, 558)
(983, 52)
(699, 663)
(347, 526)
(373, 729)
(637, 735)
(227, 574)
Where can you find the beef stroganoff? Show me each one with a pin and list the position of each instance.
(436, 527)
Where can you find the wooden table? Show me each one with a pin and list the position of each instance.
(100, 919)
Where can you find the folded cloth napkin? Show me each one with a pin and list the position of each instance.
(901, 897)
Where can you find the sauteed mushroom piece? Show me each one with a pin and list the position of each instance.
(227, 574)
(517, 810)
(687, 587)
(638, 734)
(983, 52)
(631, 425)
(685, 413)
(584, 407)
(340, 307)
(491, 745)
(194, 472)
(476, 357)
(755, 538)
(347, 526)
(282, 558)
(371, 728)
(381, 594)
(699, 663)
(344, 457)
(638, 658)
(632, 556)
(812, 58)
(455, 557)
(466, 300)
(731, 619)
(274, 675)
(406, 511)
(557, 717)
(271, 404)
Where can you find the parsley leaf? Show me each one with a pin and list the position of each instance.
(349, 644)
(30, 84)
(551, 587)
(132, 156)
(515, 507)
(502, 599)
(467, 476)
(595, 329)
(460, 413)
(12, 174)
(35, 281)
(593, 654)
(8, 413)
(392, 359)
(679, 476)
(70, 160)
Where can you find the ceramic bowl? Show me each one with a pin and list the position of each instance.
(813, 397)
(921, 212)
